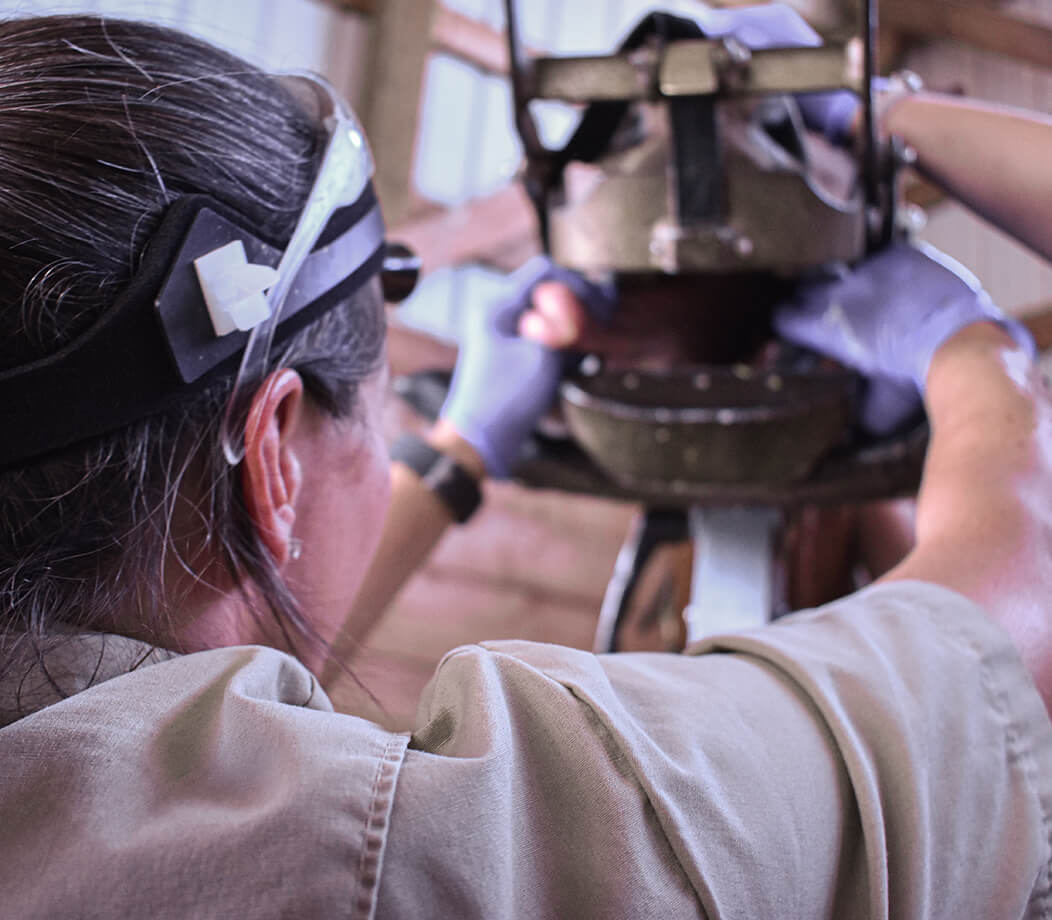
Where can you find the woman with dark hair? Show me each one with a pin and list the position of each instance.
(98, 143)
(192, 494)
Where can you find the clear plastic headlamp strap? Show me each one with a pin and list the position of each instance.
(346, 168)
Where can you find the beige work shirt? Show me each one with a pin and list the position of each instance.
(886, 756)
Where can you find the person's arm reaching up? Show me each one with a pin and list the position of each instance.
(984, 513)
(994, 159)
(913, 321)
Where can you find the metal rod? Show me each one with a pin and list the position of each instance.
(869, 123)
(651, 529)
(538, 176)
(519, 65)
(733, 584)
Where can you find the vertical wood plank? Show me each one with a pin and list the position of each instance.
(348, 56)
(401, 43)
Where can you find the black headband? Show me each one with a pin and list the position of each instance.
(156, 344)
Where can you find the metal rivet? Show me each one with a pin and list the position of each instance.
(691, 456)
(743, 247)
(630, 381)
(590, 365)
(737, 51)
(774, 382)
(725, 416)
(662, 436)
(743, 372)
(702, 381)
(663, 415)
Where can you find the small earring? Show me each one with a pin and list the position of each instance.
(295, 548)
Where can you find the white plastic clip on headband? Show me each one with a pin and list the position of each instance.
(234, 288)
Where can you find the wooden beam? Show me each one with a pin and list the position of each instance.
(921, 192)
(516, 254)
(974, 23)
(348, 55)
(410, 350)
(470, 40)
(891, 49)
(1038, 320)
(478, 231)
(365, 7)
(401, 45)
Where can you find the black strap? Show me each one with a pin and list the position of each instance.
(447, 479)
(155, 344)
(601, 119)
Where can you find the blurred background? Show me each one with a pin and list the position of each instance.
(429, 79)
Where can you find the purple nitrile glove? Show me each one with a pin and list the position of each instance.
(886, 318)
(775, 25)
(503, 383)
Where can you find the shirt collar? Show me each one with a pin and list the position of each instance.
(42, 672)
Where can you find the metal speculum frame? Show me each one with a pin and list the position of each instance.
(720, 175)
(691, 160)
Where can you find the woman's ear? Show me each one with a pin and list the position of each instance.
(271, 473)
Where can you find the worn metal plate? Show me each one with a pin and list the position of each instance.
(781, 215)
(853, 473)
(696, 68)
(592, 79)
(776, 222)
(708, 424)
(692, 68)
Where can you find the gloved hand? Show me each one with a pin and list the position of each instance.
(775, 25)
(503, 383)
(886, 318)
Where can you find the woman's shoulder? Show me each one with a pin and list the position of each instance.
(202, 784)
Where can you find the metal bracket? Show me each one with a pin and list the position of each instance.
(735, 582)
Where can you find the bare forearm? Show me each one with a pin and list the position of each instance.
(984, 514)
(416, 521)
(986, 447)
(995, 160)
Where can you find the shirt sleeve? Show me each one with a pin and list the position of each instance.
(217, 784)
(885, 756)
